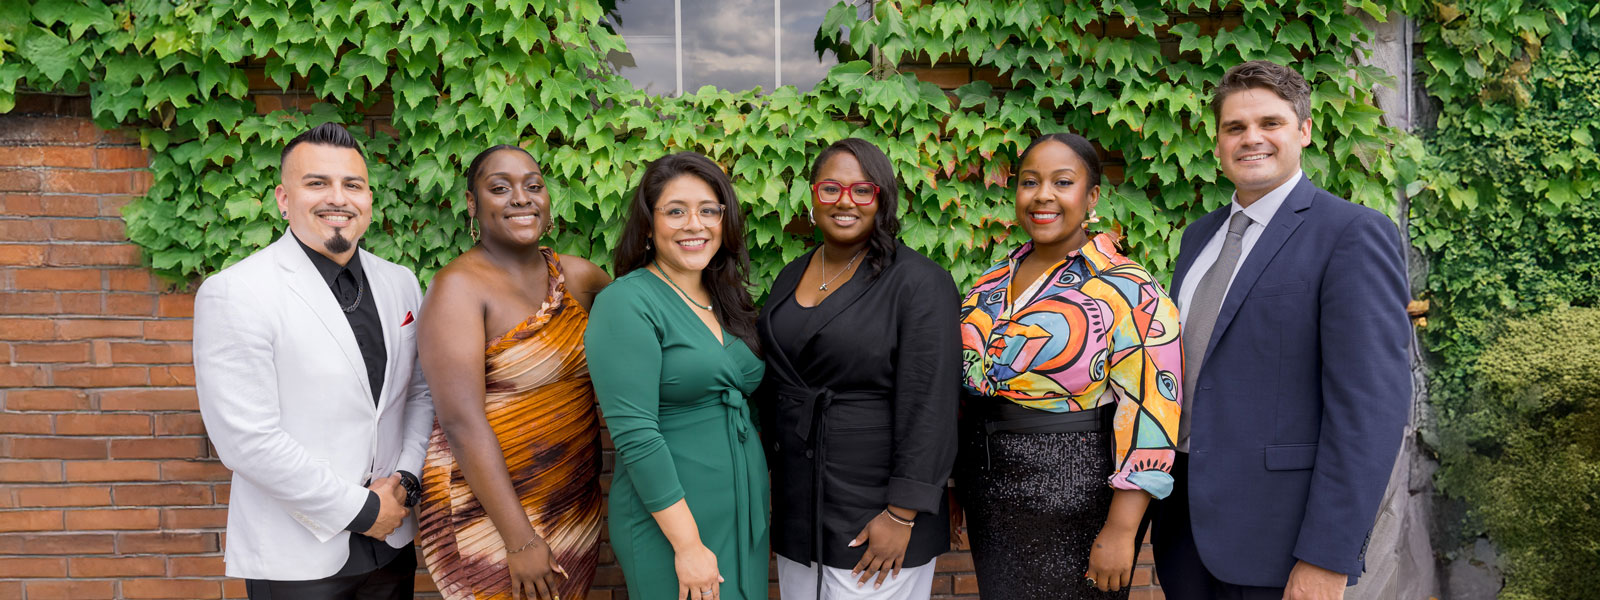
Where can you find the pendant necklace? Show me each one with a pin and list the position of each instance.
(674, 284)
(824, 286)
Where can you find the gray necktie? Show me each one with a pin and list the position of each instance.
(1202, 317)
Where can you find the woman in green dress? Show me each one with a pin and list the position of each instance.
(672, 352)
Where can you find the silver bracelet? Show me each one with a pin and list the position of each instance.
(897, 519)
(531, 540)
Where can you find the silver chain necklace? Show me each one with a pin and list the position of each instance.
(823, 254)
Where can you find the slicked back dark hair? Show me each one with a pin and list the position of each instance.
(886, 225)
(727, 276)
(1078, 144)
(1287, 83)
(326, 134)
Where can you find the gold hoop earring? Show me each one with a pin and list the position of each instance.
(472, 229)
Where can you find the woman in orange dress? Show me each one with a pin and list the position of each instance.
(510, 490)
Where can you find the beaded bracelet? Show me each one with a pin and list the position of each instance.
(897, 519)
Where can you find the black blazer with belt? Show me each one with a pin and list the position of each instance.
(872, 396)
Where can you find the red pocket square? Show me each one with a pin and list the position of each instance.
(408, 320)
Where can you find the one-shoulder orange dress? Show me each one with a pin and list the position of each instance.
(542, 408)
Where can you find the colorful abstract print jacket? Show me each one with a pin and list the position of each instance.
(1095, 329)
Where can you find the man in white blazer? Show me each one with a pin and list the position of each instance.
(305, 365)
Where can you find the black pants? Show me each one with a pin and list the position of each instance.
(392, 581)
(1178, 566)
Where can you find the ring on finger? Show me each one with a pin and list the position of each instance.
(1090, 581)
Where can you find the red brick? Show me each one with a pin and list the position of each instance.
(111, 206)
(68, 205)
(234, 588)
(87, 182)
(82, 495)
(79, 329)
(141, 182)
(48, 156)
(195, 566)
(68, 352)
(1147, 594)
(166, 543)
(176, 305)
(71, 255)
(1141, 577)
(56, 543)
(169, 330)
(16, 130)
(53, 399)
(22, 376)
(221, 492)
(178, 447)
(187, 589)
(22, 254)
(20, 180)
(194, 470)
(948, 78)
(171, 376)
(180, 424)
(151, 353)
(121, 566)
(81, 303)
(121, 158)
(93, 377)
(131, 280)
(30, 520)
(194, 518)
(88, 230)
(10, 590)
(24, 423)
(30, 303)
(131, 305)
(113, 519)
(30, 471)
(964, 584)
(168, 494)
(22, 230)
(27, 329)
(56, 279)
(148, 399)
(18, 568)
(112, 470)
(55, 447)
(70, 590)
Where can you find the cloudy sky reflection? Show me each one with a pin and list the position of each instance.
(726, 43)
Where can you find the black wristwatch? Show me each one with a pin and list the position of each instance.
(413, 488)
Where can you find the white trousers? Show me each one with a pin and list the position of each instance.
(798, 581)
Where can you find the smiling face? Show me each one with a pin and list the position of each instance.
(1054, 195)
(325, 194)
(1259, 141)
(509, 199)
(688, 248)
(846, 222)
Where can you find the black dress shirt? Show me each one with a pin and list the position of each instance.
(349, 285)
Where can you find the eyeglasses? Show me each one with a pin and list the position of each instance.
(677, 217)
(861, 193)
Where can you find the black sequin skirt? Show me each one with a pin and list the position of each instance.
(1034, 503)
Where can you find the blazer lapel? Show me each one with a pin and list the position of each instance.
(388, 309)
(835, 304)
(782, 291)
(1283, 225)
(307, 284)
(1201, 230)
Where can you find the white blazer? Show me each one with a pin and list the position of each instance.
(285, 399)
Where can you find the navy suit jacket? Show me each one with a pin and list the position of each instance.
(1303, 393)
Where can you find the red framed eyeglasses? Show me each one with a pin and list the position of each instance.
(861, 193)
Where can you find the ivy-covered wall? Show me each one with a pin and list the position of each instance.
(1508, 213)
(462, 75)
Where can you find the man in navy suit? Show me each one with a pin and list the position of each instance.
(1296, 366)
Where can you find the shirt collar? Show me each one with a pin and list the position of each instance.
(1097, 250)
(1262, 210)
(326, 267)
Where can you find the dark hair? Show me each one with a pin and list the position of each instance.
(477, 162)
(886, 225)
(727, 276)
(1260, 74)
(326, 134)
(1077, 144)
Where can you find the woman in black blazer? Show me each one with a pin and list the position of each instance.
(860, 396)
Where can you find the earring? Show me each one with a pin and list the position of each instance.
(285, 213)
(472, 229)
(648, 245)
(811, 215)
(1093, 218)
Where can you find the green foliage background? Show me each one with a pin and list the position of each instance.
(466, 74)
(1509, 216)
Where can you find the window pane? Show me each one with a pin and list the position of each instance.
(802, 67)
(728, 44)
(651, 60)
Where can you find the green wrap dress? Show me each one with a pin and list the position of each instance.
(674, 400)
